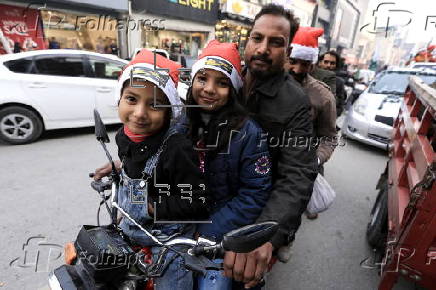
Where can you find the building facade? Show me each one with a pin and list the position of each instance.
(235, 20)
(184, 26)
(77, 24)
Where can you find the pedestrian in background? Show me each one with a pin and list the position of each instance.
(326, 76)
(17, 47)
(331, 61)
(53, 43)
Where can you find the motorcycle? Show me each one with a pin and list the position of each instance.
(107, 260)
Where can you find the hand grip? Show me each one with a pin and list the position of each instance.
(101, 186)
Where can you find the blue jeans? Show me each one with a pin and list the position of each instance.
(133, 197)
(214, 280)
(175, 276)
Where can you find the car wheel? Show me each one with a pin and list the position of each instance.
(377, 230)
(19, 125)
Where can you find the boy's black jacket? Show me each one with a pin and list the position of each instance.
(178, 165)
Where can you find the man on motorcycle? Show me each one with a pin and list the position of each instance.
(278, 103)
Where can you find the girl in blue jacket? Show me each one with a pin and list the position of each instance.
(232, 154)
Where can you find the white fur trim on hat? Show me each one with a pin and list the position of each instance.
(304, 52)
(219, 64)
(160, 78)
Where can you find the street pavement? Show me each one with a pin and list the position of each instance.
(45, 198)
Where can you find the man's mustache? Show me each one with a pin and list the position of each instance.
(261, 57)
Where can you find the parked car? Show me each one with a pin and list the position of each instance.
(370, 119)
(428, 65)
(365, 75)
(57, 88)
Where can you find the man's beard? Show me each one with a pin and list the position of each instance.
(298, 77)
(257, 73)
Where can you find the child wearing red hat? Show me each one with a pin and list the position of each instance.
(233, 150)
(153, 154)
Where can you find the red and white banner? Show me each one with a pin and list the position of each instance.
(21, 25)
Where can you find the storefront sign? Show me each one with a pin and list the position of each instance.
(205, 11)
(120, 5)
(242, 8)
(22, 26)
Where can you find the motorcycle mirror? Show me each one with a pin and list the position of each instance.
(100, 129)
(248, 238)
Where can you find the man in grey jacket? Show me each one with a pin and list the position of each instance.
(278, 103)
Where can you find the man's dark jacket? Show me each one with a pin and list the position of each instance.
(326, 76)
(341, 95)
(282, 109)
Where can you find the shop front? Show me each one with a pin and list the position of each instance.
(232, 31)
(20, 29)
(71, 24)
(235, 22)
(185, 26)
(65, 29)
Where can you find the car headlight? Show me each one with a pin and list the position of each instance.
(360, 106)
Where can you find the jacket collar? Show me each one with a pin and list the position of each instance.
(269, 86)
(308, 80)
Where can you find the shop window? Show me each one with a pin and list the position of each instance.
(71, 66)
(105, 69)
(19, 65)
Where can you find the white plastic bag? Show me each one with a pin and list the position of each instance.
(322, 196)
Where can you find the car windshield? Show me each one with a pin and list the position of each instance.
(396, 82)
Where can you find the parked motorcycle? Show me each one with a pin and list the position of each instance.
(107, 260)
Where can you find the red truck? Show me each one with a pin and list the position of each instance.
(403, 219)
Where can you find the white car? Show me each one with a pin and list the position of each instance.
(56, 88)
(370, 119)
(427, 65)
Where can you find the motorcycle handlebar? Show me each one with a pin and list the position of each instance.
(101, 186)
(200, 247)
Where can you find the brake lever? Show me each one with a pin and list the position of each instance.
(200, 264)
(101, 186)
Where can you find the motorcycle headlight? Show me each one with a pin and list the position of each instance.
(360, 106)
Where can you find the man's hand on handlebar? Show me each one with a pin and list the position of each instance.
(248, 267)
(106, 169)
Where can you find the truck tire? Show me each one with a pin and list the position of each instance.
(19, 125)
(377, 229)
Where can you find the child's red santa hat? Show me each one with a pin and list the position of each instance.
(223, 57)
(305, 43)
(158, 70)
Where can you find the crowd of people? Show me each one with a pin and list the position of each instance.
(227, 139)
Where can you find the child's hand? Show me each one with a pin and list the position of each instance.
(150, 209)
(70, 253)
(106, 169)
